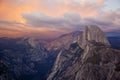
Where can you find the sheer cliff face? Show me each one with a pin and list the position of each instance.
(95, 34)
(93, 60)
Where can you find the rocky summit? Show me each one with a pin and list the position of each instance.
(95, 34)
(93, 60)
(79, 55)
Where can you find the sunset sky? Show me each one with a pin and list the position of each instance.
(50, 18)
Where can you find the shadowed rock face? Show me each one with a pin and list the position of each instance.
(22, 57)
(5, 74)
(94, 60)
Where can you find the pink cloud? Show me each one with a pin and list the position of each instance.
(56, 16)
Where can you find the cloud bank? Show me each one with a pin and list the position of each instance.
(38, 17)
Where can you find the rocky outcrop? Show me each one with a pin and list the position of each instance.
(65, 59)
(93, 60)
(95, 34)
(102, 63)
(64, 41)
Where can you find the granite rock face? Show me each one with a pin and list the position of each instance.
(93, 60)
(95, 34)
(65, 59)
(64, 41)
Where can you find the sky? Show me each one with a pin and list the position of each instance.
(50, 18)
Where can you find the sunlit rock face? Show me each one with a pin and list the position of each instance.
(95, 34)
(65, 59)
(93, 60)
(65, 41)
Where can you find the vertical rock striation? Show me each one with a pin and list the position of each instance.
(93, 60)
(94, 34)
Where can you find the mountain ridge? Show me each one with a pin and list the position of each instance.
(77, 55)
(96, 59)
(64, 40)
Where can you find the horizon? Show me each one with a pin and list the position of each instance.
(108, 35)
(50, 19)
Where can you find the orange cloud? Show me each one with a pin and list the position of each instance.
(101, 1)
(57, 8)
(13, 9)
(86, 9)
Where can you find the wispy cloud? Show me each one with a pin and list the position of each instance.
(73, 21)
(38, 17)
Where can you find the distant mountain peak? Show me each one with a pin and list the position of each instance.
(93, 60)
(74, 33)
(65, 40)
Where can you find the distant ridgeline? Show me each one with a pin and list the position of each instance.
(78, 55)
